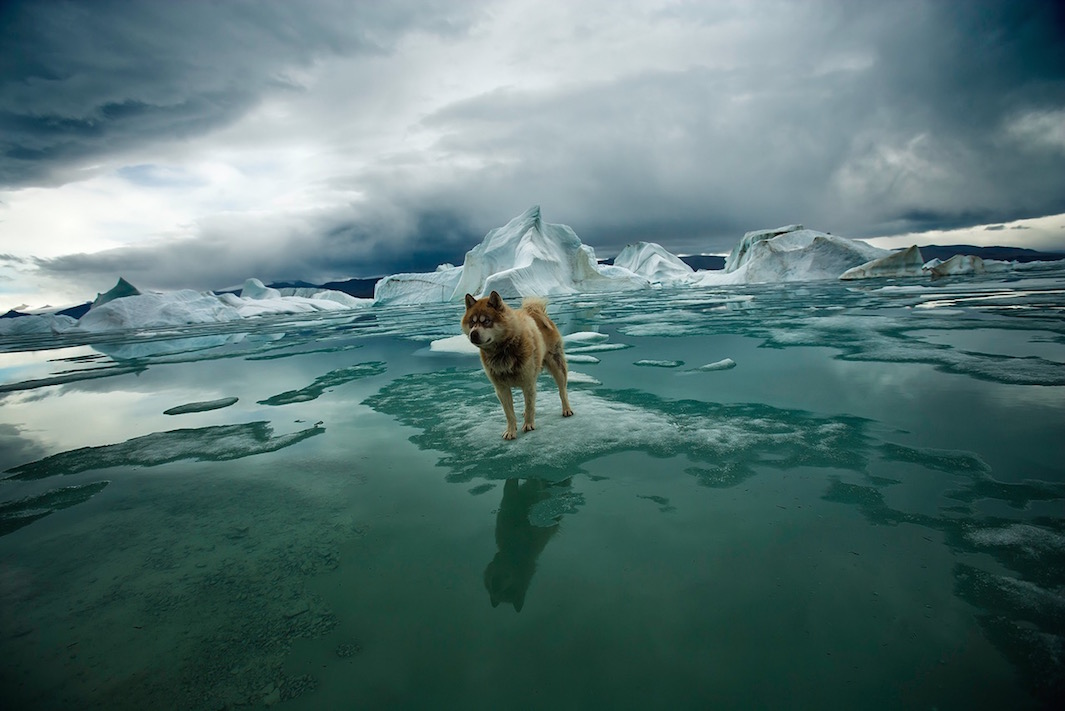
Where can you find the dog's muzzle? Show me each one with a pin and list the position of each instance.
(475, 337)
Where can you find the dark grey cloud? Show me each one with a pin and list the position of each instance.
(858, 118)
(919, 139)
(83, 80)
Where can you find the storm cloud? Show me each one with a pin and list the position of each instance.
(322, 140)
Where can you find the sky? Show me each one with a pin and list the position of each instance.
(195, 144)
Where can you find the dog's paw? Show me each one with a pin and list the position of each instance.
(510, 434)
(567, 412)
(528, 427)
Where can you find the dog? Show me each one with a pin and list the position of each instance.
(515, 345)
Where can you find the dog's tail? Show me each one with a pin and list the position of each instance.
(534, 303)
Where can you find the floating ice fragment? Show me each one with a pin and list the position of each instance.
(659, 363)
(598, 347)
(459, 344)
(581, 358)
(577, 378)
(201, 406)
(723, 364)
(584, 338)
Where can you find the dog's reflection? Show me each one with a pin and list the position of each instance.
(520, 542)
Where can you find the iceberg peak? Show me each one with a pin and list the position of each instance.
(525, 257)
(120, 290)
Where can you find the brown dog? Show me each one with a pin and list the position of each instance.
(515, 346)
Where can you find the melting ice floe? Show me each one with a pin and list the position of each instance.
(458, 415)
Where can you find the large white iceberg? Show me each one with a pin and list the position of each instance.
(525, 257)
(904, 263)
(788, 254)
(155, 310)
(654, 263)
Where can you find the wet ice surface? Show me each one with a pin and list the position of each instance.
(807, 496)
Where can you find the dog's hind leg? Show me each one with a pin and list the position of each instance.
(556, 365)
(506, 399)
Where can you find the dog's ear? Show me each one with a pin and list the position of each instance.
(470, 301)
(495, 300)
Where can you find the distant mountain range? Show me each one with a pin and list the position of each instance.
(1005, 254)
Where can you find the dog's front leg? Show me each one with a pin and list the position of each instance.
(530, 408)
(506, 399)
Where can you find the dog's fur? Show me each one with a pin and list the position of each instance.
(515, 345)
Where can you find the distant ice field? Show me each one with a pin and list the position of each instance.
(847, 494)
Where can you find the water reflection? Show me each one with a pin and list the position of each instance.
(217, 443)
(521, 537)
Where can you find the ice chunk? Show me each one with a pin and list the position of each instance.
(459, 344)
(959, 264)
(204, 406)
(599, 347)
(653, 262)
(723, 364)
(581, 358)
(659, 363)
(584, 337)
(904, 263)
(576, 378)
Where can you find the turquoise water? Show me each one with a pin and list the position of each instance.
(864, 511)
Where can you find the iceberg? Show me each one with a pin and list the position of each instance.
(412, 288)
(959, 264)
(904, 263)
(26, 324)
(155, 310)
(788, 254)
(256, 299)
(654, 263)
(525, 257)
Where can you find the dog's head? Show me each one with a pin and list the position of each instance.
(485, 319)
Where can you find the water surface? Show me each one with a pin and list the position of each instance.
(865, 511)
